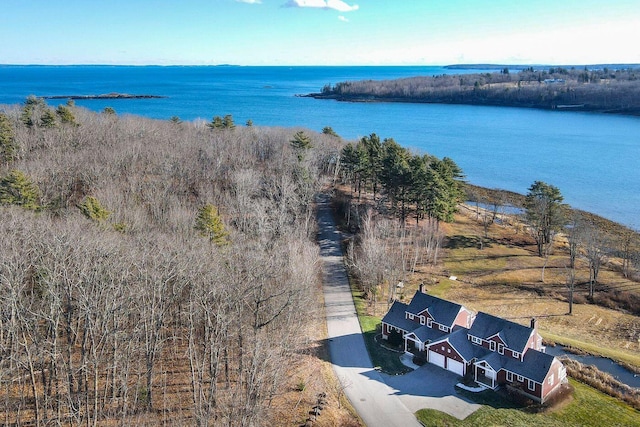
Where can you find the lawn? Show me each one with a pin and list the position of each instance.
(388, 361)
(589, 407)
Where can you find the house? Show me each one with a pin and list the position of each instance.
(516, 358)
(424, 319)
(495, 352)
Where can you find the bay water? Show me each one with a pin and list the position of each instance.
(592, 158)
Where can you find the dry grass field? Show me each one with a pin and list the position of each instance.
(503, 278)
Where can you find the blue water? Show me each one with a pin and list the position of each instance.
(592, 158)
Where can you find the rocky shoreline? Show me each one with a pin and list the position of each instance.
(104, 96)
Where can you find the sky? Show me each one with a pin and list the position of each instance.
(319, 32)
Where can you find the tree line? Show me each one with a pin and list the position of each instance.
(153, 271)
(385, 253)
(422, 184)
(602, 90)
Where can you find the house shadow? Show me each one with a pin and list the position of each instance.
(348, 352)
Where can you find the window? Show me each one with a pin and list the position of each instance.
(501, 348)
(562, 373)
(509, 376)
(422, 320)
(515, 354)
(550, 379)
(443, 328)
(531, 385)
(411, 316)
(520, 378)
(442, 348)
(476, 340)
(429, 322)
(492, 345)
(448, 350)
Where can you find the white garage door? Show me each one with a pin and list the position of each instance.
(436, 359)
(455, 366)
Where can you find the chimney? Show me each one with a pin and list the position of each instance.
(421, 288)
(533, 323)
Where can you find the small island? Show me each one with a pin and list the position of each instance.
(112, 95)
(599, 89)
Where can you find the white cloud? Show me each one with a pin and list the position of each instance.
(250, 1)
(343, 19)
(338, 5)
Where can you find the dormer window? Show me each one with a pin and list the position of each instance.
(515, 354)
(422, 320)
(429, 322)
(492, 345)
(410, 316)
(476, 340)
(443, 328)
(501, 348)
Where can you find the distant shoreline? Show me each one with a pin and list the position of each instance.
(600, 90)
(104, 96)
(486, 103)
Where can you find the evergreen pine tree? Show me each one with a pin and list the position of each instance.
(8, 144)
(209, 224)
(17, 189)
(93, 209)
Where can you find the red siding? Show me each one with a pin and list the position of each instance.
(448, 351)
(547, 388)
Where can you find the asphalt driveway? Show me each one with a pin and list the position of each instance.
(380, 400)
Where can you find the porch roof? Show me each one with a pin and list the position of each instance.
(426, 334)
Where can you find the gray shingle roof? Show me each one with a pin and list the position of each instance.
(396, 317)
(514, 335)
(534, 366)
(427, 334)
(458, 340)
(494, 360)
(442, 311)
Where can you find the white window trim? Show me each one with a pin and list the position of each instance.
(515, 354)
(411, 316)
(443, 328)
(422, 320)
(492, 345)
(531, 385)
(520, 378)
(509, 376)
(476, 340)
(550, 379)
(501, 348)
(430, 322)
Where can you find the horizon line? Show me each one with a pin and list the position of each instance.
(469, 65)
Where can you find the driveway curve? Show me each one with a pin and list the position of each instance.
(380, 400)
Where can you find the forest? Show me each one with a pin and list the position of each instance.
(558, 88)
(153, 271)
(167, 271)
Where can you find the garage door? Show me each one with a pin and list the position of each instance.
(436, 359)
(455, 367)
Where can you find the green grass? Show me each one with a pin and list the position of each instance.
(589, 407)
(387, 360)
(440, 289)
